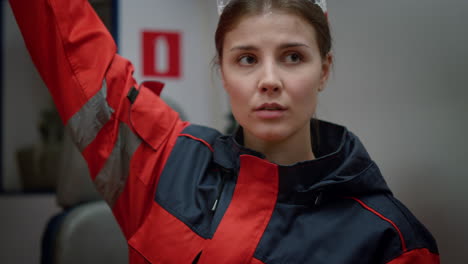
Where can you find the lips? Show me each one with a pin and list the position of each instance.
(270, 111)
(271, 107)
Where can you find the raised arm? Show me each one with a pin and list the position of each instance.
(124, 131)
(70, 48)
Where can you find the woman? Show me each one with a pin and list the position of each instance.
(283, 189)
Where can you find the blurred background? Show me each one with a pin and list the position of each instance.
(400, 82)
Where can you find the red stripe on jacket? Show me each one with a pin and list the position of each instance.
(417, 256)
(402, 239)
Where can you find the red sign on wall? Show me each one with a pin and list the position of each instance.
(161, 54)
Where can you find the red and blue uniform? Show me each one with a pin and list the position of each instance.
(183, 193)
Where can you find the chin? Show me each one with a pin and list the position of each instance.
(269, 134)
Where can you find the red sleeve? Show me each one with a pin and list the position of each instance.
(125, 144)
(417, 256)
(69, 46)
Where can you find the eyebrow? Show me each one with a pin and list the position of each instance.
(244, 47)
(293, 45)
(282, 46)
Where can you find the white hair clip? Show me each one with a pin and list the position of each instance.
(224, 3)
(322, 4)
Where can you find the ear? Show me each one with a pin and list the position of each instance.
(221, 74)
(326, 69)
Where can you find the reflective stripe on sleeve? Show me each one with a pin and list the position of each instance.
(111, 179)
(84, 125)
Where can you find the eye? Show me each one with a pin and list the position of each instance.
(247, 60)
(293, 58)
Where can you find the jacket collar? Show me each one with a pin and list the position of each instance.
(342, 167)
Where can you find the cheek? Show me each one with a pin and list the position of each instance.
(237, 97)
(233, 93)
(237, 87)
(306, 91)
(304, 98)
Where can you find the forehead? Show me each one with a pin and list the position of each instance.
(271, 27)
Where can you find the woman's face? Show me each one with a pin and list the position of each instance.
(272, 70)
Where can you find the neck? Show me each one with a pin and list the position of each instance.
(295, 148)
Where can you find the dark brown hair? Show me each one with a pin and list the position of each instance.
(306, 9)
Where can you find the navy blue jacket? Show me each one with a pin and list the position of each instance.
(335, 209)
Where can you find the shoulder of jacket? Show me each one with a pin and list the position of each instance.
(410, 232)
(202, 134)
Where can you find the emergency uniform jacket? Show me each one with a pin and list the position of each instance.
(183, 193)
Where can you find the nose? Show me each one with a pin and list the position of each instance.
(270, 81)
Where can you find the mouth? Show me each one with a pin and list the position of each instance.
(270, 111)
(271, 107)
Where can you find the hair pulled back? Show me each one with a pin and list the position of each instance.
(307, 10)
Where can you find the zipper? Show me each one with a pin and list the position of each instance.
(220, 189)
